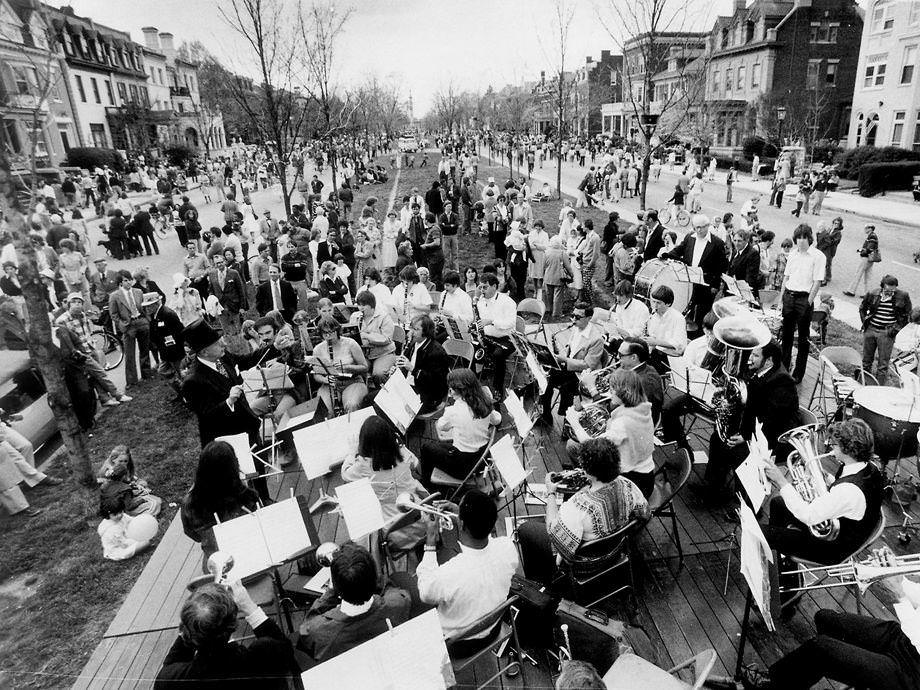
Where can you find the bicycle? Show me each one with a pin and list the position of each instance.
(682, 217)
(161, 228)
(104, 340)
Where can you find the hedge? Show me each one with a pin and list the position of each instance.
(741, 163)
(875, 178)
(89, 157)
(850, 162)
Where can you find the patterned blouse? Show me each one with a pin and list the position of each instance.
(592, 514)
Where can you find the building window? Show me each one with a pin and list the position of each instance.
(811, 75)
(122, 93)
(22, 81)
(875, 70)
(916, 145)
(824, 32)
(907, 70)
(830, 74)
(133, 89)
(161, 75)
(755, 76)
(97, 134)
(715, 83)
(913, 17)
(95, 85)
(740, 82)
(729, 74)
(897, 131)
(881, 17)
(108, 92)
(9, 137)
(80, 88)
(145, 96)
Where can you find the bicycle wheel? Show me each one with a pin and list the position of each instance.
(683, 219)
(110, 347)
(664, 215)
(160, 231)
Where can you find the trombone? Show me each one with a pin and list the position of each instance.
(859, 573)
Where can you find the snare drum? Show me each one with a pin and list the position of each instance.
(657, 272)
(894, 417)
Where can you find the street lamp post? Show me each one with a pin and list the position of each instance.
(781, 116)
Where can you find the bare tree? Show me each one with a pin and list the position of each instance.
(274, 107)
(807, 117)
(654, 37)
(449, 107)
(208, 113)
(18, 198)
(514, 114)
(563, 83)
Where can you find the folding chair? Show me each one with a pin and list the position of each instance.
(386, 551)
(532, 311)
(631, 671)
(481, 468)
(599, 559)
(503, 617)
(672, 469)
(461, 352)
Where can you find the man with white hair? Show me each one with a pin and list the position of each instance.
(702, 249)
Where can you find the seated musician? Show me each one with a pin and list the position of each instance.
(679, 403)
(204, 656)
(388, 464)
(410, 298)
(666, 333)
(474, 581)
(630, 316)
(498, 317)
(601, 508)
(424, 279)
(772, 400)
(351, 611)
(373, 283)
(376, 335)
(633, 354)
(857, 651)
(217, 491)
(283, 347)
(344, 359)
(466, 425)
(454, 303)
(854, 498)
(324, 307)
(584, 351)
(425, 363)
(632, 430)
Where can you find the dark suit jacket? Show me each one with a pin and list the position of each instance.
(746, 266)
(264, 302)
(772, 400)
(166, 334)
(233, 295)
(206, 392)
(267, 662)
(430, 373)
(121, 312)
(651, 386)
(653, 243)
(9, 287)
(713, 262)
(325, 253)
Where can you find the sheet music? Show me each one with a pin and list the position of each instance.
(755, 557)
(275, 377)
(321, 446)
(297, 421)
(360, 507)
(243, 539)
(753, 479)
(691, 379)
(284, 529)
(522, 421)
(731, 285)
(319, 582)
(536, 495)
(240, 445)
(412, 655)
(506, 460)
(537, 371)
(398, 401)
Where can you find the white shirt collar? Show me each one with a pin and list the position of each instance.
(352, 610)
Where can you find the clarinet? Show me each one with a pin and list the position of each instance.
(335, 392)
(478, 336)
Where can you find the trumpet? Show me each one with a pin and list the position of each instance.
(219, 565)
(859, 573)
(405, 504)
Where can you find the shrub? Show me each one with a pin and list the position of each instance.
(882, 177)
(90, 157)
(179, 155)
(850, 161)
(758, 146)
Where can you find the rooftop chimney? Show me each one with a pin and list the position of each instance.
(542, 77)
(150, 37)
(740, 5)
(166, 45)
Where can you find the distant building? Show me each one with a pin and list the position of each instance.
(596, 82)
(32, 82)
(886, 96)
(545, 104)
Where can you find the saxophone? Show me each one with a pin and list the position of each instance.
(806, 475)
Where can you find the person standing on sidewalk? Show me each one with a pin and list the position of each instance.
(883, 312)
(132, 325)
(819, 190)
(870, 256)
(729, 183)
(801, 279)
(450, 225)
(827, 242)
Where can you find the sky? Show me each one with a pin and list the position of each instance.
(420, 45)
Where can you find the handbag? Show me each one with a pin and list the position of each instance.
(874, 256)
(537, 606)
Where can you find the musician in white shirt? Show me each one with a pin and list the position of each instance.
(666, 330)
(498, 317)
(804, 273)
(373, 284)
(410, 298)
(630, 315)
(455, 303)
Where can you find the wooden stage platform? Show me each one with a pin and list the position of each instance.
(682, 610)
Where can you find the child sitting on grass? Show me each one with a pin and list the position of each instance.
(116, 544)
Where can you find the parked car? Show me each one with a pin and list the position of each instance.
(408, 144)
(22, 393)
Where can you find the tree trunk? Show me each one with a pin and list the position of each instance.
(646, 165)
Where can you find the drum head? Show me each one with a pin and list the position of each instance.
(655, 273)
(889, 402)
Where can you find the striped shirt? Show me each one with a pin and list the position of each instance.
(884, 314)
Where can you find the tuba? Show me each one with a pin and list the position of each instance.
(739, 334)
(806, 475)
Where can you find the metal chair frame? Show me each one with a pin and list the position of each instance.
(612, 552)
(496, 645)
(482, 465)
(671, 458)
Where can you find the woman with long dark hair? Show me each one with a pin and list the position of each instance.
(465, 428)
(218, 490)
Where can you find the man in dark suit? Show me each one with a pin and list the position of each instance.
(428, 363)
(712, 259)
(227, 285)
(744, 263)
(276, 294)
(325, 251)
(433, 200)
(654, 239)
(131, 323)
(203, 656)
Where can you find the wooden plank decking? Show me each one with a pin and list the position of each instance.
(682, 610)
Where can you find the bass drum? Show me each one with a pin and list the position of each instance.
(894, 417)
(657, 272)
